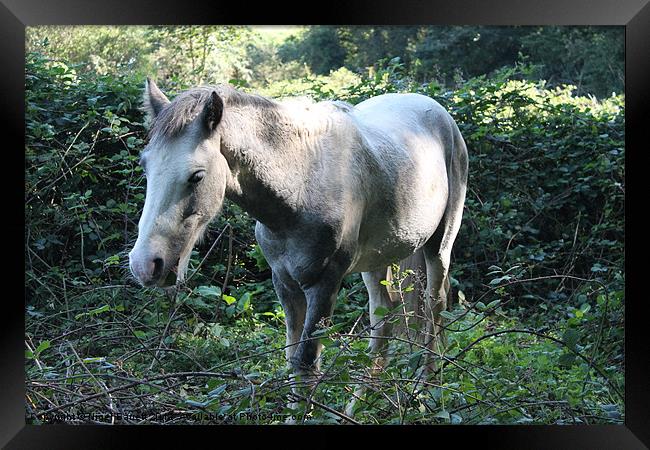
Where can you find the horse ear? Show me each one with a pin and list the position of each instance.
(153, 100)
(213, 111)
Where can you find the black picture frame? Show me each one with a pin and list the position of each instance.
(634, 15)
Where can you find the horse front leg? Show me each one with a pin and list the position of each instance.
(294, 305)
(305, 359)
(320, 305)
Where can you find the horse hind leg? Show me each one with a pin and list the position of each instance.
(435, 302)
(389, 297)
(380, 328)
(437, 255)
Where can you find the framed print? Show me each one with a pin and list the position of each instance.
(374, 215)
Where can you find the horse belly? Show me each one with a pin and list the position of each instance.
(379, 258)
(393, 241)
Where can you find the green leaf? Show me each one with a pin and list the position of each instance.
(381, 311)
(566, 359)
(336, 327)
(493, 304)
(228, 299)
(99, 310)
(243, 392)
(94, 359)
(217, 391)
(258, 256)
(494, 269)
(447, 315)
(415, 359)
(42, 346)
(498, 280)
(140, 334)
(442, 415)
(570, 338)
(244, 302)
(216, 330)
(327, 342)
(208, 291)
(197, 404)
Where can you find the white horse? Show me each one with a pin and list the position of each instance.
(334, 188)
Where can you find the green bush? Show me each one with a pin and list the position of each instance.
(83, 186)
(537, 335)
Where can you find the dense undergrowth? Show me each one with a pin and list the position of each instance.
(535, 337)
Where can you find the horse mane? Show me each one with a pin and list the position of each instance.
(281, 124)
(187, 105)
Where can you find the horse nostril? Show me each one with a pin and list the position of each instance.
(157, 268)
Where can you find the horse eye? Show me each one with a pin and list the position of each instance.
(197, 176)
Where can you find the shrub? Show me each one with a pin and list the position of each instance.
(538, 267)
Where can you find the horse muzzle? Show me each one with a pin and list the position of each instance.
(153, 270)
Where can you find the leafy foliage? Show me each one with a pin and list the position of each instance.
(535, 337)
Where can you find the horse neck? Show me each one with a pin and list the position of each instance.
(268, 166)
